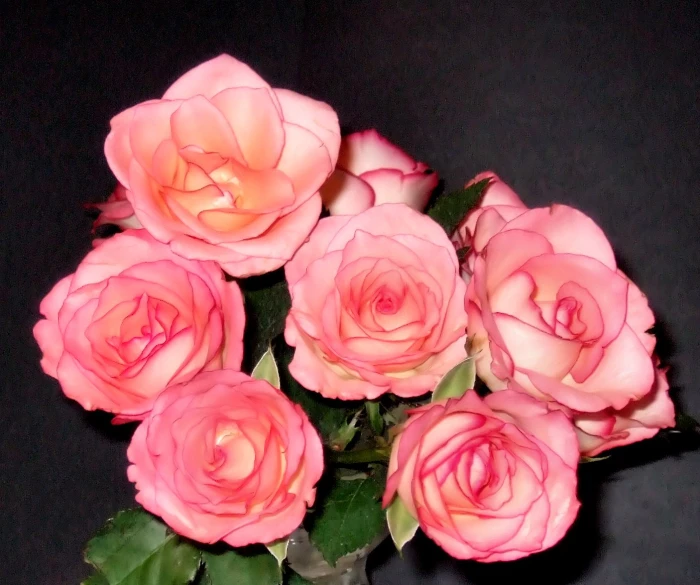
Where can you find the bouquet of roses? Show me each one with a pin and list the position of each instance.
(297, 327)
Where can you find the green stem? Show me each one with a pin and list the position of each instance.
(374, 455)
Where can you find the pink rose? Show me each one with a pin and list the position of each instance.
(135, 318)
(116, 210)
(641, 419)
(377, 305)
(372, 171)
(491, 480)
(499, 204)
(550, 314)
(226, 457)
(224, 167)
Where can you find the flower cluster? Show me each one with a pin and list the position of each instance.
(224, 178)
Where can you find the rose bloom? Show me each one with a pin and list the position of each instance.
(226, 457)
(489, 480)
(134, 318)
(639, 420)
(224, 167)
(377, 305)
(116, 210)
(550, 314)
(372, 171)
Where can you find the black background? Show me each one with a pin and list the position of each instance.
(590, 104)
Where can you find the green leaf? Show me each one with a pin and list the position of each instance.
(349, 518)
(450, 208)
(267, 303)
(457, 381)
(278, 549)
(325, 414)
(375, 419)
(96, 579)
(241, 567)
(266, 369)
(292, 578)
(342, 436)
(402, 525)
(135, 548)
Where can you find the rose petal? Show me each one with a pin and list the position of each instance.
(213, 76)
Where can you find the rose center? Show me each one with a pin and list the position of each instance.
(565, 311)
(234, 454)
(386, 302)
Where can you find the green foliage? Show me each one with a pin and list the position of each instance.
(457, 381)
(250, 566)
(278, 549)
(267, 303)
(450, 208)
(375, 418)
(96, 579)
(326, 415)
(266, 369)
(402, 526)
(348, 517)
(135, 548)
(292, 578)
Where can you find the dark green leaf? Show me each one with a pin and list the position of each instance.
(348, 518)
(135, 548)
(375, 418)
(450, 208)
(292, 578)
(326, 415)
(267, 303)
(241, 567)
(344, 434)
(96, 579)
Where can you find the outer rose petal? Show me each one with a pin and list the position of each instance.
(314, 248)
(214, 76)
(639, 315)
(639, 420)
(368, 150)
(568, 231)
(318, 117)
(346, 194)
(116, 210)
(393, 186)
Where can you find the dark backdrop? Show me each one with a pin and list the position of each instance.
(596, 107)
